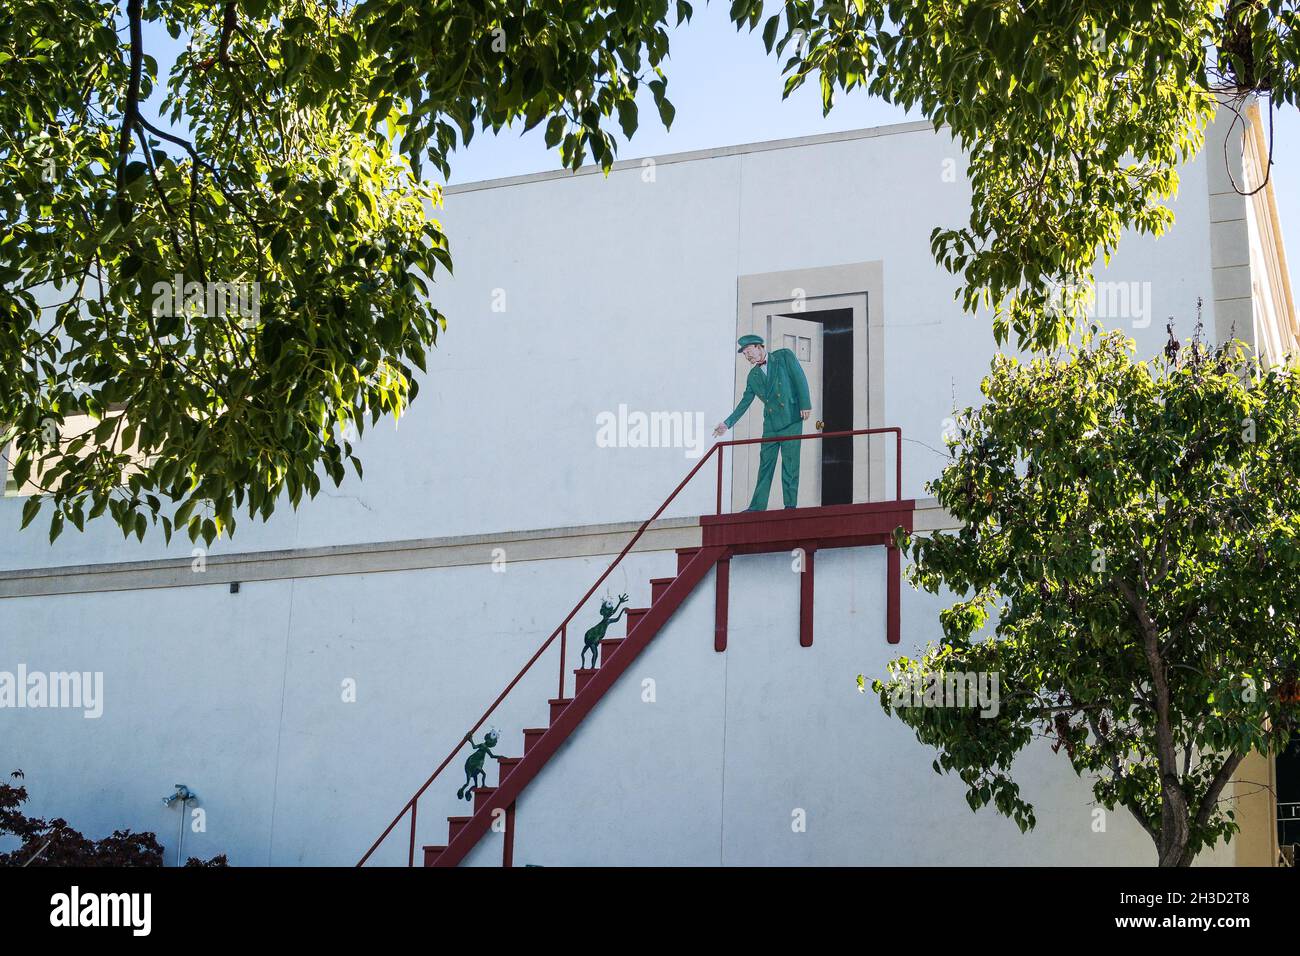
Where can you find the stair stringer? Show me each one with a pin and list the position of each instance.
(696, 570)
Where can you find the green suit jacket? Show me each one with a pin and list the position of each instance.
(783, 390)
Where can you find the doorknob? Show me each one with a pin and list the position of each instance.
(821, 425)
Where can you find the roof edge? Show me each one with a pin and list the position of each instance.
(719, 152)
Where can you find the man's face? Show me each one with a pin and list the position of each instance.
(755, 353)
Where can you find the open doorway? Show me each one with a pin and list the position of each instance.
(822, 341)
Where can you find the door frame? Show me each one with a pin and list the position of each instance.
(808, 290)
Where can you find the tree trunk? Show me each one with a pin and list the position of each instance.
(1174, 839)
(1175, 822)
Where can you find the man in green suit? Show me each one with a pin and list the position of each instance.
(779, 383)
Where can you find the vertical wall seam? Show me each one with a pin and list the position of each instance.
(279, 735)
(722, 790)
(731, 491)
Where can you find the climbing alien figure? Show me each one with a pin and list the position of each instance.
(592, 641)
(474, 763)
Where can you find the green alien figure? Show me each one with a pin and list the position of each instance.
(594, 636)
(474, 764)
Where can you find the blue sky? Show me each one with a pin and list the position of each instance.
(724, 84)
(727, 90)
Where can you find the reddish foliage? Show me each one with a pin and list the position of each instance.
(54, 843)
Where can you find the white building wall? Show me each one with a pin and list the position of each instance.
(240, 697)
(617, 291)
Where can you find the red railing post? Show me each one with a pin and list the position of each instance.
(564, 640)
(898, 465)
(410, 857)
(719, 511)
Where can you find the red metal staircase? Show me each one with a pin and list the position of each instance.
(808, 529)
(540, 744)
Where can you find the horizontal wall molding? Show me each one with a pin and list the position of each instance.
(417, 554)
(929, 516)
(413, 555)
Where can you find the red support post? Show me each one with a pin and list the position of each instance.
(508, 852)
(894, 573)
(806, 598)
(722, 588)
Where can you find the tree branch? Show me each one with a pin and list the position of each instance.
(134, 10)
(227, 30)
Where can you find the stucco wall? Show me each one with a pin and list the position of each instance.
(617, 291)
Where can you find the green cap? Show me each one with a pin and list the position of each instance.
(745, 341)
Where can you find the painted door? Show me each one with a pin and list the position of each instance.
(803, 337)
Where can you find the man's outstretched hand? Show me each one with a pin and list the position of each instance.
(719, 430)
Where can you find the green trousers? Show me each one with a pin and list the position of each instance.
(789, 452)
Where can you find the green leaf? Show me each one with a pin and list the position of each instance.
(666, 112)
(30, 509)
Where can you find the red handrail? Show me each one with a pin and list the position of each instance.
(898, 451)
(562, 630)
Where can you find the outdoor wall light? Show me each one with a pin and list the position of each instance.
(183, 794)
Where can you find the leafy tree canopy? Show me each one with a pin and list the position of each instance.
(1129, 534)
(237, 300)
(290, 157)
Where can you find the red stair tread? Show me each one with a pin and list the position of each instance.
(455, 825)
(481, 796)
(431, 854)
(658, 586)
(608, 646)
(557, 706)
